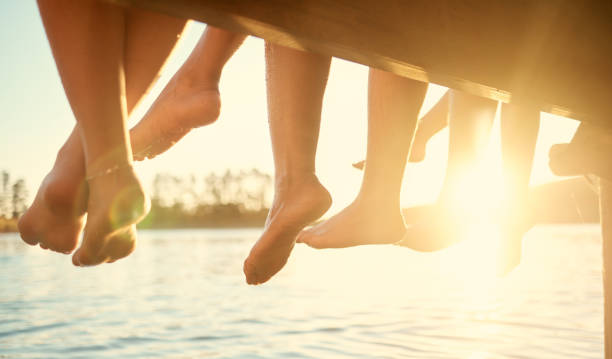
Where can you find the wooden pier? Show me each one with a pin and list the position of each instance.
(552, 55)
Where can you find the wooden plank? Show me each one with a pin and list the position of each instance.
(605, 205)
(555, 55)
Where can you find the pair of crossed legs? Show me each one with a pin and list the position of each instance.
(108, 57)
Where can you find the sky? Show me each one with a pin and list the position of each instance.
(36, 119)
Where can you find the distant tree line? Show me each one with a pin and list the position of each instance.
(13, 196)
(233, 199)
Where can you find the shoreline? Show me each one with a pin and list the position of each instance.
(8, 225)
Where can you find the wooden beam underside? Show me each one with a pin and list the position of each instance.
(555, 55)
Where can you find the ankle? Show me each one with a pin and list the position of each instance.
(191, 79)
(108, 162)
(290, 181)
(378, 202)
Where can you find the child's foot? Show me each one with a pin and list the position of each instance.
(363, 222)
(294, 208)
(116, 202)
(181, 107)
(55, 218)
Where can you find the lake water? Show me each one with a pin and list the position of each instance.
(182, 295)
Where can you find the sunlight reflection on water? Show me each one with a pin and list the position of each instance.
(182, 295)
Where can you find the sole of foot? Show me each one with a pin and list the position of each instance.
(291, 211)
(56, 217)
(177, 110)
(116, 203)
(361, 223)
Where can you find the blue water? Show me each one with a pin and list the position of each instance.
(182, 295)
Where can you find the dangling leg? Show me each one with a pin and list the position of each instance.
(55, 218)
(471, 118)
(375, 217)
(191, 98)
(433, 122)
(296, 83)
(87, 39)
(519, 133)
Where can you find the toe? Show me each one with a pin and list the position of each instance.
(250, 272)
(31, 240)
(27, 233)
(83, 257)
(118, 248)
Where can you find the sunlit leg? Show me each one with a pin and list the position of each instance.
(470, 123)
(519, 133)
(87, 40)
(191, 98)
(56, 217)
(296, 82)
(433, 122)
(374, 217)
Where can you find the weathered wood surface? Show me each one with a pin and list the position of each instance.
(552, 54)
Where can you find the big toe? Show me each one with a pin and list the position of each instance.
(121, 245)
(84, 257)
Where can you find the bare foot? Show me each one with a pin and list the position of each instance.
(440, 227)
(363, 222)
(56, 217)
(181, 107)
(52, 221)
(116, 202)
(293, 209)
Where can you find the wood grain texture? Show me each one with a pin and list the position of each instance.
(555, 55)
